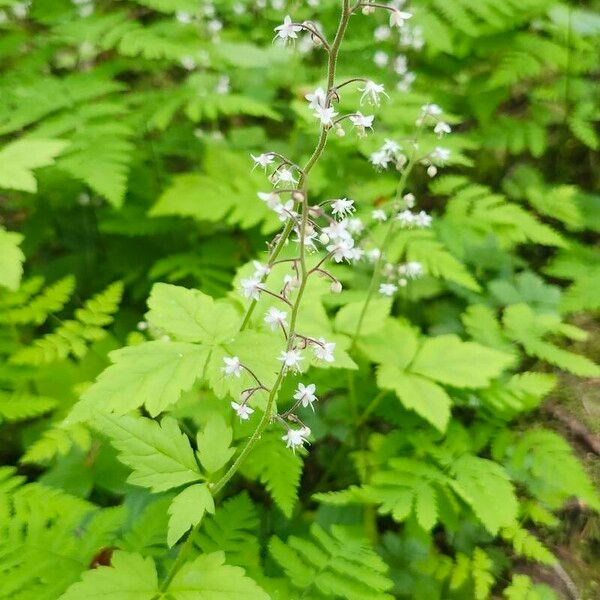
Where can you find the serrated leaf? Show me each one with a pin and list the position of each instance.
(347, 318)
(152, 374)
(395, 344)
(187, 509)
(130, 577)
(159, 455)
(417, 393)
(208, 578)
(449, 360)
(213, 443)
(11, 259)
(19, 158)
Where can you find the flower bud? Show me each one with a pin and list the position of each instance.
(339, 131)
(336, 287)
(432, 170)
(324, 238)
(297, 196)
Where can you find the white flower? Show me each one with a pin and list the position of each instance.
(318, 99)
(400, 64)
(357, 253)
(275, 318)
(374, 254)
(379, 215)
(243, 410)
(325, 114)
(409, 199)
(285, 211)
(271, 199)
(440, 154)
(355, 225)
(372, 91)
(381, 59)
(362, 122)
(441, 128)
(342, 207)
(214, 26)
(305, 394)
(324, 350)
(287, 31)
(232, 366)
(399, 17)
(432, 170)
(290, 282)
(309, 238)
(260, 270)
(262, 160)
(337, 231)
(406, 82)
(284, 175)
(380, 159)
(406, 218)
(341, 250)
(188, 63)
(223, 86)
(291, 358)
(390, 147)
(412, 269)
(431, 109)
(422, 219)
(183, 17)
(250, 288)
(296, 437)
(381, 33)
(387, 289)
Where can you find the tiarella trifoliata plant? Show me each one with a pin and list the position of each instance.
(284, 287)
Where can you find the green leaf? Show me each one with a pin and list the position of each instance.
(451, 361)
(11, 259)
(277, 468)
(152, 374)
(426, 507)
(425, 397)
(208, 578)
(214, 444)
(187, 510)
(346, 320)
(395, 344)
(190, 315)
(487, 489)
(130, 577)
(160, 455)
(19, 158)
(481, 571)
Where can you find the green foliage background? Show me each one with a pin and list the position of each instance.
(125, 183)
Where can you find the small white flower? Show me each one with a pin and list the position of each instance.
(232, 366)
(422, 219)
(342, 207)
(387, 289)
(362, 122)
(380, 159)
(287, 31)
(398, 18)
(405, 84)
(260, 270)
(337, 231)
(440, 154)
(183, 17)
(400, 64)
(390, 147)
(379, 215)
(285, 211)
(250, 288)
(296, 437)
(305, 394)
(284, 175)
(381, 33)
(275, 318)
(188, 63)
(271, 199)
(262, 160)
(409, 199)
(372, 91)
(406, 218)
(336, 287)
(214, 26)
(291, 359)
(374, 254)
(243, 411)
(432, 170)
(355, 225)
(325, 114)
(324, 350)
(341, 250)
(411, 270)
(381, 59)
(431, 109)
(441, 128)
(357, 253)
(318, 98)
(223, 86)
(290, 282)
